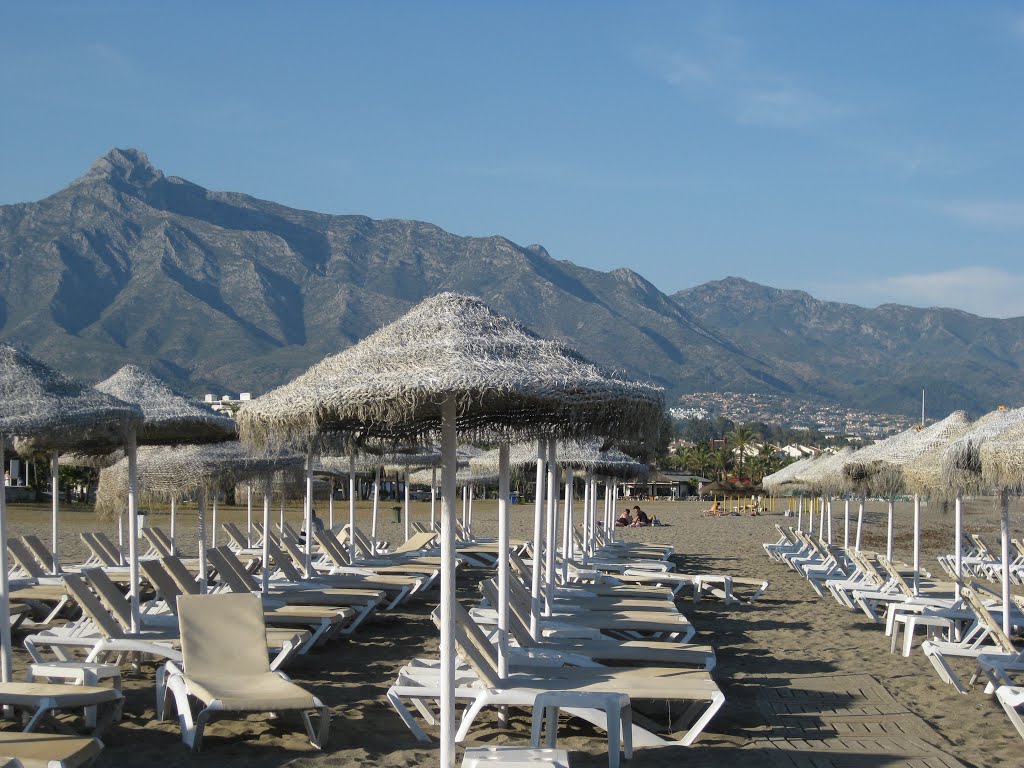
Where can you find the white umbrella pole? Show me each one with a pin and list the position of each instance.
(810, 518)
(133, 529)
(889, 525)
(376, 510)
(248, 514)
(433, 496)
(465, 505)
(958, 524)
(615, 502)
(449, 467)
(821, 518)
(503, 566)
(120, 536)
(567, 524)
(552, 533)
(608, 522)
(846, 523)
(280, 524)
(586, 519)
(828, 511)
(201, 522)
(917, 545)
(800, 513)
(55, 507)
(330, 507)
(213, 523)
(469, 509)
(308, 513)
(174, 522)
(5, 599)
(265, 575)
(860, 521)
(538, 527)
(1004, 524)
(405, 512)
(352, 507)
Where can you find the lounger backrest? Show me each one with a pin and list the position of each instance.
(985, 616)
(91, 606)
(226, 572)
(223, 636)
(895, 575)
(288, 532)
(162, 582)
(237, 537)
(110, 547)
(364, 547)
(982, 546)
(183, 577)
(157, 541)
(39, 550)
(421, 528)
(417, 541)
(111, 597)
(282, 562)
(474, 646)
(98, 551)
(331, 546)
(25, 559)
(518, 624)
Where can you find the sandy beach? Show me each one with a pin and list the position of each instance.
(789, 640)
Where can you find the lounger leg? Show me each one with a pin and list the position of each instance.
(407, 718)
(1010, 699)
(318, 738)
(468, 716)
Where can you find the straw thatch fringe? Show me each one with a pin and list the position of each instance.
(961, 461)
(166, 472)
(44, 410)
(878, 469)
(784, 480)
(508, 384)
(824, 475)
(1002, 460)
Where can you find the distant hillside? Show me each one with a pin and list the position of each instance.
(877, 359)
(219, 291)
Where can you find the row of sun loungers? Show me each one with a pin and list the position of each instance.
(963, 618)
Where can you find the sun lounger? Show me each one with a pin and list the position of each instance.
(40, 701)
(1010, 697)
(224, 666)
(481, 687)
(47, 750)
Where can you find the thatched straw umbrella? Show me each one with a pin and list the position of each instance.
(44, 410)
(168, 419)
(783, 481)
(452, 366)
(823, 477)
(994, 437)
(167, 473)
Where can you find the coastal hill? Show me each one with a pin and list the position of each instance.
(222, 292)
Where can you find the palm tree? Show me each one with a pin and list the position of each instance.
(738, 440)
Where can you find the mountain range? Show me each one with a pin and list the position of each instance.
(221, 292)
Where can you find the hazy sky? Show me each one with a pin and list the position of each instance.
(863, 151)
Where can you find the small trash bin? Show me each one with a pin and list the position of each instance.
(396, 514)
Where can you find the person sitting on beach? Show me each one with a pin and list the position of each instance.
(642, 519)
(624, 520)
(317, 523)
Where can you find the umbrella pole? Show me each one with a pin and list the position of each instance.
(265, 575)
(828, 511)
(308, 513)
(958, 524)
(55, 507)
(917, 545)
(1004, 524)
(280, 525)
(448, 461)
(201, 521)
(615, 501)
(133, 529)
(860, 520)
(888, 542)
(213, 523)
(821, 518)
(800, 513)
(376, 509)
(405, 513)
(465, 505)
(538, 526)
(352, 506)
(433, 496)
(587, 500)
(5, 601)
(552, 534)
(120, 536)
(248, 514)
(330, 507)
(174, 520)
(567, 545)
(846, 523)
(810, 518)
(503, 565)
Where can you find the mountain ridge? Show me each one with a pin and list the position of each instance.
(221, 290)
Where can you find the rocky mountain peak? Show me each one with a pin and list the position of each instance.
(124, 166)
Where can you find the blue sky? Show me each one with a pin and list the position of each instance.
(862, 151)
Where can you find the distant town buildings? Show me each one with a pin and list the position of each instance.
(793, 413)
(227, 404)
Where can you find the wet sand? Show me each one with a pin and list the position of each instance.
(785, 639)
